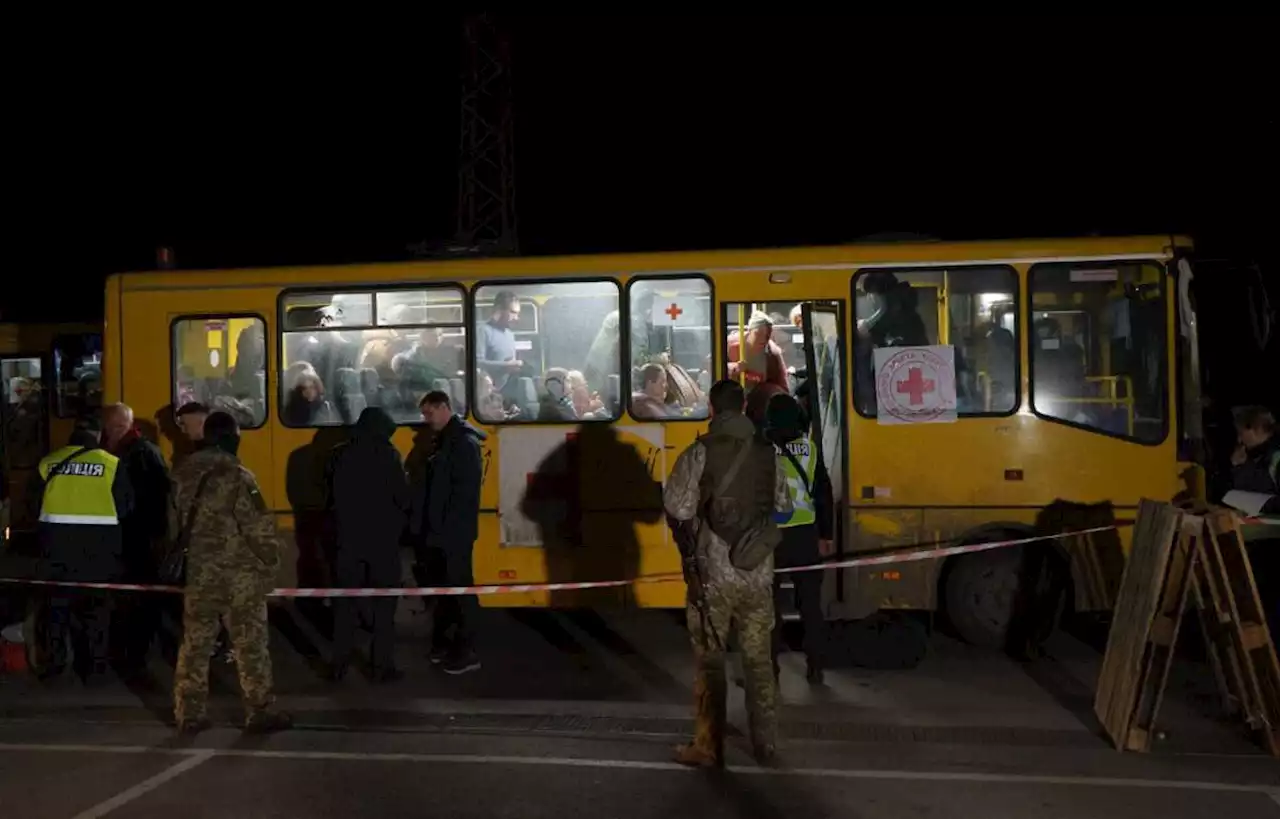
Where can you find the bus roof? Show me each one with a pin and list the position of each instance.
(897, 254)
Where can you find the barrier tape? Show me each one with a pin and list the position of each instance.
(523, 588)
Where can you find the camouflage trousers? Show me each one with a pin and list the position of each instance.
(746, 608)
(245, 614)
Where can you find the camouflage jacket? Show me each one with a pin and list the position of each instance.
(682, 497)
(232, 536)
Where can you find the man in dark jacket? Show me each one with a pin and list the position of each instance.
(84, 495)
(143, 531)
(369, 496)
(446, 529)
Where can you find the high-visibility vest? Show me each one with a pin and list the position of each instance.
(77, 490)
(802, 511)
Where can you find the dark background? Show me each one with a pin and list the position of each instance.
(640, 133)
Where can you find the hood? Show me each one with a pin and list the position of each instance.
(375, 423)
(736, 425)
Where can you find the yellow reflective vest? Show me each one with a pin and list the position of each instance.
(802, 509)
(77, 487)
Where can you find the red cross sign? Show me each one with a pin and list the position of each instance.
(915, 386)
(674, 311)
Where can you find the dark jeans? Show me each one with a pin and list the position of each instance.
(799, 547)
(454, 616)
(355, 571)
(79, 620)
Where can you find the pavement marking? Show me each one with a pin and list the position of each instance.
(146, 786)
(197, 756)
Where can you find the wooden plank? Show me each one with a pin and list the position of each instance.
(1141, 589)
(1164, 633)
(1247, 635)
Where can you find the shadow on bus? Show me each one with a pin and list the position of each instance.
(586, 498)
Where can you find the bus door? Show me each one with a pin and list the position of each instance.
(824, 349)
(24, 414)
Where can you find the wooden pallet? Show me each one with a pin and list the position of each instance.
(1241, 647)
(1178, 557)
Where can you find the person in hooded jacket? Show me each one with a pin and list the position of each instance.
(369, 498)
(444, 530)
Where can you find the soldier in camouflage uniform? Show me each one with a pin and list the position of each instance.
(729, 598)
(232, 558)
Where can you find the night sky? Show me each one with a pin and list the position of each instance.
(651, 133)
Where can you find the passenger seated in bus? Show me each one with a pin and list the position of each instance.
(489, 406)
(758, 361)
(426, 362)
(651, 401)
(586, 404)
(556, 401)
(305, 405)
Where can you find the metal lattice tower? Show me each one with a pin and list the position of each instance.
(486, 157)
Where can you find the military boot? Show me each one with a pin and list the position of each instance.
(267, 721)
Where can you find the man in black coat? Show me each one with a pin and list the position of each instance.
(445, 530)
(143, 532)
(369, 497)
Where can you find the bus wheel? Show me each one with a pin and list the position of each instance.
(981, 591)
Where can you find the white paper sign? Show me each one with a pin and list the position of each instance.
(671, 311)
(915, 385)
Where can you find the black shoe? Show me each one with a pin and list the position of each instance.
(462, 663)
(191, 727)
(386, 675)
(438, 654)
(814, 674)
(267, 722)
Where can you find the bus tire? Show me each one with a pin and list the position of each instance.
(980, 593)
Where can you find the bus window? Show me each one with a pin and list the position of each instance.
(548, 352)
(24, 412)
(972, 309)
(670, 348)
(344, 352)
(77, 368)
(220, 361)
(1098, 349)
(982, 326)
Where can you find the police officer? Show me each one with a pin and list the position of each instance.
(219, 516)
(806, 529)
(729, 476)
(84, 496)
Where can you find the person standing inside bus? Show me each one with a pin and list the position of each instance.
(721, 487)
(758, 360)
(369, 495)
(498, 341)
(806, 529)
(446, 530)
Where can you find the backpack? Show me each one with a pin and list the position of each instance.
(751, 533)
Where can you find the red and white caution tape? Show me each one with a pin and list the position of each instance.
(524, 588)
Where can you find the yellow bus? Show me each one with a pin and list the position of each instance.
(1035, 371)
(50, 374)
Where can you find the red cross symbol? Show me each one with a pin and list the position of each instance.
(557, 487)
(915, 386)
(674, 311)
